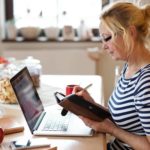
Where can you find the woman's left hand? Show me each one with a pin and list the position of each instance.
(105, 126)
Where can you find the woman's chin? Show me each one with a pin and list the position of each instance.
(115, 58)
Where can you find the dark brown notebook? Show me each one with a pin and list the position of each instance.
(81, 107)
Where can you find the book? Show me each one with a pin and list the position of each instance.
(9, 145)
(10, 125)
(81, 107)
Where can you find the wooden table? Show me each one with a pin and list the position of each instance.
(96, 142)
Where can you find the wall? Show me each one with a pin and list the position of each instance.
(138, 2)
(2, 19)
(1, 23)
(107, 71)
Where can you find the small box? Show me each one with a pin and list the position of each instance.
(68, 33)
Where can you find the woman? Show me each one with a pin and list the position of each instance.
(125, 32)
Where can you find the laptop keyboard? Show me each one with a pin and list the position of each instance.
(59, 123)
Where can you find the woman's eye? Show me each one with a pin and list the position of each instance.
(106, 39)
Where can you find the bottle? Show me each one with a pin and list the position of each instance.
(84, 33)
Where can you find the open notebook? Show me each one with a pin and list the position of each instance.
(43, 122)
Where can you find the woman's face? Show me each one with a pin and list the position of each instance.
(115, 48)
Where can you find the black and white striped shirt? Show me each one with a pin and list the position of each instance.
(129, 105)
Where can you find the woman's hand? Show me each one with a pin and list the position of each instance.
(82, 92)
(105, 126)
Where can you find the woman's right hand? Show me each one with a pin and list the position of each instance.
(82, 92)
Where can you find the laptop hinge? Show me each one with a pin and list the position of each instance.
(39, 121)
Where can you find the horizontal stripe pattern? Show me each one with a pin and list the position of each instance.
(129, 105)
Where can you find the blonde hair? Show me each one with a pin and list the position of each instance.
(121, 15)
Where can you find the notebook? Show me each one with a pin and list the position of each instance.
(43, 121)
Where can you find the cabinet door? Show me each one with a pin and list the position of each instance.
(58, 61)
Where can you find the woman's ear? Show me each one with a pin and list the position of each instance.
(133, 31)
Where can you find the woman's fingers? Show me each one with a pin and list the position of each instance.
(87, 121)
(77, 89)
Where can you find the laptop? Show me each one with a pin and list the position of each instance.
(44, 121)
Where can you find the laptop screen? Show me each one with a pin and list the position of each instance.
(27, 96)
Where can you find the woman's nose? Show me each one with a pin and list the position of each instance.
(105, 46)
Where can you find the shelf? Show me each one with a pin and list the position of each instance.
(45, 40)
(37, 45)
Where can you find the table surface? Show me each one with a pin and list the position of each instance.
(59, 82)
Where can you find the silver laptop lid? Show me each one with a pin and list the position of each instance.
(27, 97)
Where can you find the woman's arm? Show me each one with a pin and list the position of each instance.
(137, 142)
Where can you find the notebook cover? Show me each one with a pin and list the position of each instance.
(79, 106)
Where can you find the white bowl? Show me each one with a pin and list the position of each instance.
(51, 33)
(30, 33)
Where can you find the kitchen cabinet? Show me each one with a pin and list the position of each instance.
(56, 58)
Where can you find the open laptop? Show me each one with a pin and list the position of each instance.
(40, 121)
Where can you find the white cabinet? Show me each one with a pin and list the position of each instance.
(55, 59)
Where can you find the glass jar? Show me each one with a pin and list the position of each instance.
(35, 69)
(7, 94)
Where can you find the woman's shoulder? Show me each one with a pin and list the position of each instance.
(143, 74)
(145, 70)
(143, 77)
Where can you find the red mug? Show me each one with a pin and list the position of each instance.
(1, 135)
(69, 88)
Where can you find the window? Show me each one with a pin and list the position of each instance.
(56, 12)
